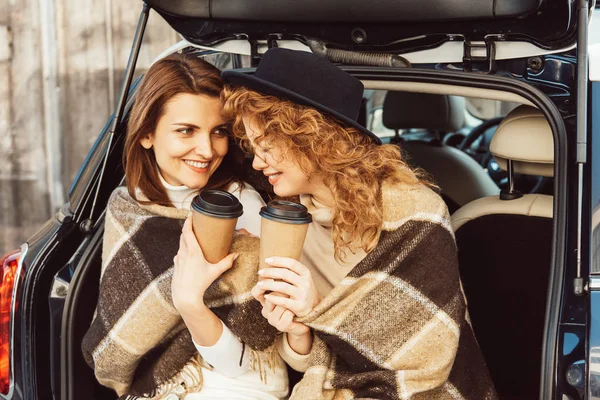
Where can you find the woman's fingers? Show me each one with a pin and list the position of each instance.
(188, 220)
(183, 241)
(273, 312)
(281, 317)
(275, 317)
(189, 239)
(267, 308)
(225, 263)
(289, 263)
(281, 287)
(182, 245)
(287, 317)
(283, 274)
(286, 302)
(259, 294)
(292, 279)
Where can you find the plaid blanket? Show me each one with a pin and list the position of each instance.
(137, 343)
(397, 326)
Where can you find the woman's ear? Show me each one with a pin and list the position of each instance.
(146, 142)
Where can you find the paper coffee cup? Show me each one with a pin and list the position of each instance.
(283, 229)
(215, 215)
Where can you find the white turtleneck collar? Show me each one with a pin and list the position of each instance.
(180, 196)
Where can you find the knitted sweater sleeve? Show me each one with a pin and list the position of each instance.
(298, 362)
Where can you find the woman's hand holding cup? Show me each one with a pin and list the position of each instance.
(291, 286)
(283, 319)
(292, 292)
(192, 274)
(285, 287)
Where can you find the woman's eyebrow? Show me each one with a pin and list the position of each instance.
(187, 124)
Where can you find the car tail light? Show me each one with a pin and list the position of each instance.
(8, 302)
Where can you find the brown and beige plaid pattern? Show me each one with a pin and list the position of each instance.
(137, 341)
(397, 326)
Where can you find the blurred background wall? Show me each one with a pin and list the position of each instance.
(61, 67)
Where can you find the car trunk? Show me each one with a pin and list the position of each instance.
(79, 379)
(399, 27)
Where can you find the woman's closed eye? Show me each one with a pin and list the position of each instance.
(261, 148)
(221, 131)
(260, 152)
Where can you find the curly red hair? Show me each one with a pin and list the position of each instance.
(348, 162)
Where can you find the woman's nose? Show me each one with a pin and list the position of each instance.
(204, 146)
(258, 163)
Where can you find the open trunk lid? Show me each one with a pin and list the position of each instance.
(407, 27)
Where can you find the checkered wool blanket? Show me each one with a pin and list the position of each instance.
(397, 326)
(137, 343)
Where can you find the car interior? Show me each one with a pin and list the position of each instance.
(497, 185)
(437, 117)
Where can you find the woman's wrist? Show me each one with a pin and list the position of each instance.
(301, 343)
(195, 311)
(204, 326)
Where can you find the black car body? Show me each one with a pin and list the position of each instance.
(50, 286)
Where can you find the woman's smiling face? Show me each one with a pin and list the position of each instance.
(190, 140)
(286, 176)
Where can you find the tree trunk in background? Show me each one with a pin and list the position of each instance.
(58, 86)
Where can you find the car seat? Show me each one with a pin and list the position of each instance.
(460, 178)
(504, 248)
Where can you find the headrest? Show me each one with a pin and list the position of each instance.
(406, 110)
(525, 137)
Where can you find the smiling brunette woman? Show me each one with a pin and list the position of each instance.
(162, 329)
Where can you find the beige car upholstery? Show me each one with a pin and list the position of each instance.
(444, 89)
(532, 205)
(460, 177)
(525, 137)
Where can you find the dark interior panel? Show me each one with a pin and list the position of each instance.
(346, 10)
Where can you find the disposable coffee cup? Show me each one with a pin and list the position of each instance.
(215, 214)
(283, 229)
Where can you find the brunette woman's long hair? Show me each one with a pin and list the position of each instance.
(168, 77)
(347, 161)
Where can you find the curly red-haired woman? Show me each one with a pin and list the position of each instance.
(374, 308)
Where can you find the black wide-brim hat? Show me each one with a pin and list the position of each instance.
(307, 79)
